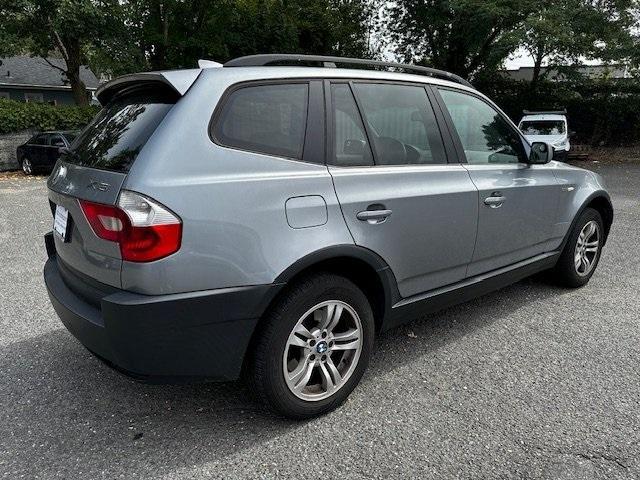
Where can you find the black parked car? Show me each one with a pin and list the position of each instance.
(41, 151)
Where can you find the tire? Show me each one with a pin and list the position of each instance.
(277, 348)
(568, 272)
(27, 166)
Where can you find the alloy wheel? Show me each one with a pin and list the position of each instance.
(27, 168)
(322, 350)
(587, 246)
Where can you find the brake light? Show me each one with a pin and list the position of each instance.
(144, 229)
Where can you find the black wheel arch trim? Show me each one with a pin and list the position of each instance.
(585, 204)
(377, 263)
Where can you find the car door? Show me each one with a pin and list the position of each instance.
(53, 151)
(39, 149)
(400, 195)
(517, 201)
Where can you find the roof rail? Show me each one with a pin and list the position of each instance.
(325, 61)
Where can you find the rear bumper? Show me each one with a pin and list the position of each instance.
(167, 338)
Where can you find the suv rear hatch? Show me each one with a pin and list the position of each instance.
(93, 170)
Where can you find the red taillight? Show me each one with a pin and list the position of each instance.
(144, 229)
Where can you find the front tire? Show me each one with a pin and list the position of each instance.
(313, 348)
(581, 254)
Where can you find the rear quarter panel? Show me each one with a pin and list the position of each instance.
(231, 202)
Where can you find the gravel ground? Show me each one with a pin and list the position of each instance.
(529, 382)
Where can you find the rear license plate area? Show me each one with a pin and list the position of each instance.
(61, 223)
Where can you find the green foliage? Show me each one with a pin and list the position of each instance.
(166, 34)
(567, 32)
(601, 112)
(460, 36)
(16, 116)
(468, 37)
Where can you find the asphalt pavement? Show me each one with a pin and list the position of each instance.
(532, 381)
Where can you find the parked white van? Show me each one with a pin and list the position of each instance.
(550, 127)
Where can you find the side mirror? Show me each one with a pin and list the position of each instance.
(541, 153)
(354, 147)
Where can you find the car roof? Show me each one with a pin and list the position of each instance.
(235, 71)
(239, 74)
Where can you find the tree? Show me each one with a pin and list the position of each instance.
(62, 28)
(460, 36)
(164, 34)
(564, 33)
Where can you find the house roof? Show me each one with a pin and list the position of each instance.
(589, 71)
(35, 71)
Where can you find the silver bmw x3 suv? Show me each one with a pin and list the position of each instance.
(268, 217)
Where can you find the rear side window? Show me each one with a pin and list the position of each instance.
(114, 138)
(402, 123)
(350, 144)
(269, 119)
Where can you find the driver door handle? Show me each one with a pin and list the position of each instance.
(495, 200)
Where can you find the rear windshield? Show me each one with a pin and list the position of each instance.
(542, 127)
(116, 135)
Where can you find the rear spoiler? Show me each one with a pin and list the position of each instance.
(545, 112)
(178, 80)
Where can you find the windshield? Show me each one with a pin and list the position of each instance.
(116, 135)
(542, 127)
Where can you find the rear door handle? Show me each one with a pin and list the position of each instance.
(495, 200)
(373, 216)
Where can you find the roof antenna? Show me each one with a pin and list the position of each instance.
(208, 64)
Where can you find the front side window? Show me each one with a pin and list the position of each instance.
(269, 119)
(350, 145)
(402, 124)
(486, 137)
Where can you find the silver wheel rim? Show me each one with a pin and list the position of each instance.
(322, 350)
(26, 166)
(586, 250)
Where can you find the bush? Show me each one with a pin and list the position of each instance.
(17, 116)
(601, 112)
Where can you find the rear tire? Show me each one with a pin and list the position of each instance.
(313, 347)
(581, 254)
(27, 166)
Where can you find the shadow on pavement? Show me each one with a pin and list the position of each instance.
(62, 402)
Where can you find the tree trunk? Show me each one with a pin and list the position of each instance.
(78, 88)
(537, 67)
(73, 61)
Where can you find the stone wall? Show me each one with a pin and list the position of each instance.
(8, 144)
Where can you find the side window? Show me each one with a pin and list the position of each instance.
(269, 119)
(486, 137)
(41, 139)
(402, 123)
(350, 144)
(33, 97)
(56, 141)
